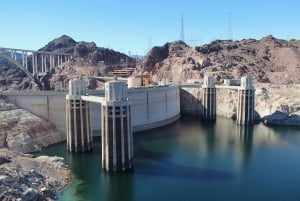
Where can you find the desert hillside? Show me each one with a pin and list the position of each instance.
(267, 60)
(87, 59)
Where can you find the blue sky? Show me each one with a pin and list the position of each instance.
(137, 25)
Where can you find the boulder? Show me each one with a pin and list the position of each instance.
(276, 118)
(281, 118)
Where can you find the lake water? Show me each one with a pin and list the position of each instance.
(192, 160)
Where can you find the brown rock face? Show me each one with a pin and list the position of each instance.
(25, 132)
(26, 178)
(266, 60)
(87, 57)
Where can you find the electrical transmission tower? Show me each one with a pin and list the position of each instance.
(229, 27)
(182, 29)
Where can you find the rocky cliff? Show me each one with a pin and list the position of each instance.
(25, 132)
(88, 59)
(275, 104)
(86, 52)
(25, 178)
(266, 60)
(21, 176)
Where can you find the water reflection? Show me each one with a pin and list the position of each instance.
(245, 136)
(288, 134)
(156, 149)
(117, 186)
(204, 160)
(224, 143)
(210, 141)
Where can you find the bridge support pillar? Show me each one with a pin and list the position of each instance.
(33, 64)
(51, 59)
(208, 99)
(246, 106)
(36, 63)
(42, 61)
(23, 58)
(26, 63)
(79, 135)
(58, 60)
(117, 141)
(45, 63)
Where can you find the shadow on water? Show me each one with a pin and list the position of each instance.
(173, 170)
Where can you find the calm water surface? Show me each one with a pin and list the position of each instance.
(193, 160)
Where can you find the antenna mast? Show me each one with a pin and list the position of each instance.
(182, 29)
(229, 27)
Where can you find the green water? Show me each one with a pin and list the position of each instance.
(192, 160)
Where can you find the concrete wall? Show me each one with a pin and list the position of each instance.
(190, 100)
(151, 107)
(47, 105)
(154, 107)
(226, 100)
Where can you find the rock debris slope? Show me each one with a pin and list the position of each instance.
(268, 60)
(21, 176)
(22, 131)
(25, 178)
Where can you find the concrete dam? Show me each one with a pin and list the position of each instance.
(151, 106)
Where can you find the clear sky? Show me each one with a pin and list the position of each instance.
(137, 25)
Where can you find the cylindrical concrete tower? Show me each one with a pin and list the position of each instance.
(117, 142)
(208, 98)
(79, 135)
(246, 106)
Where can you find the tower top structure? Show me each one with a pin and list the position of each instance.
(77, 87)
(247, 82)
(208, 81)
(115, 90)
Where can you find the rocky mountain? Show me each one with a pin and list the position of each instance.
(88, 51)
(10, 73)
(267, 60)
(88, 59)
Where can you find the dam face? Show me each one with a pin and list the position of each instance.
(150, 107)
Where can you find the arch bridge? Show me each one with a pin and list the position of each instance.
(33, 62)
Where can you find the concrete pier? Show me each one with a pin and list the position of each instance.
(208, 99)
(117, 141)
(79, 135)
(245, 104)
